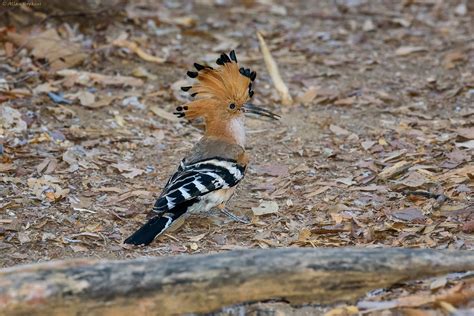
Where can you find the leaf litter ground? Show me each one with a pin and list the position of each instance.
(376, 150)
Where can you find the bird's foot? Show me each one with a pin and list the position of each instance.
(235, 217)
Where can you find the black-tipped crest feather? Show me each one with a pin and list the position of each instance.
(199, 66)
(232, 56)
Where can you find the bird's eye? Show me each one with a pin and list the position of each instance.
(232, 106)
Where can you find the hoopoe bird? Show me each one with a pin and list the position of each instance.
(208, 175)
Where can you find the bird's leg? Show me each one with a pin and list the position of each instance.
(236, 218)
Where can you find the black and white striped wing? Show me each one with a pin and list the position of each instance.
(181, 168)
(197, 179)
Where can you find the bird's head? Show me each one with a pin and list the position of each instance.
(222, 93)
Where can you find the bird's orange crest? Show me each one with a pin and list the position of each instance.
(222, 90)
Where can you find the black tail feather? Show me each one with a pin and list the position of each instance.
(148, 232)
(158, 224)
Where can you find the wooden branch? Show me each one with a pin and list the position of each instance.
(203, 283)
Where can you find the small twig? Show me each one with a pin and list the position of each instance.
(234, 217)
(272, 68)
(116, 215)
(172, 237)
(79, 209)
(426, 194)
(24, 77)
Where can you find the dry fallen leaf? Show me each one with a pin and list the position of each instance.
(10, 120)
(467, 133)
(24, 237)
(266, 207)
(459, 156)
(186, 21)
(137, 50)
(197, 237)
(127, 170)
(163, 114)
(317, 192)
(49, 164)
(463, 173)
(7, 167)
(339, 131)
(394, 155)
(461, 9)
(345, 101)
(104, 100)
(44, 88)
(457, 295)
(308, 96)
(141, 72)
(468, 227)
(438, 283)
(272, 68)
(469, 144)
(48, 187)
(347, 181)
(368, 25)
(49, 45)
(411, 214)
(75, 156)
(396, 169)
(367, 144)
(453, 58)
(85, 97)
(407, 50)
(414, 180)
(78, 248)
(304, 234)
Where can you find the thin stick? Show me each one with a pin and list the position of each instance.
(272, 68)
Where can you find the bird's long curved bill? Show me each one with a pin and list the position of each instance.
(258, 111)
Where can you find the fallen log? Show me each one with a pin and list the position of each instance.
(204, 283)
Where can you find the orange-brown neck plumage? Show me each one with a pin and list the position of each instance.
(231, 130)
